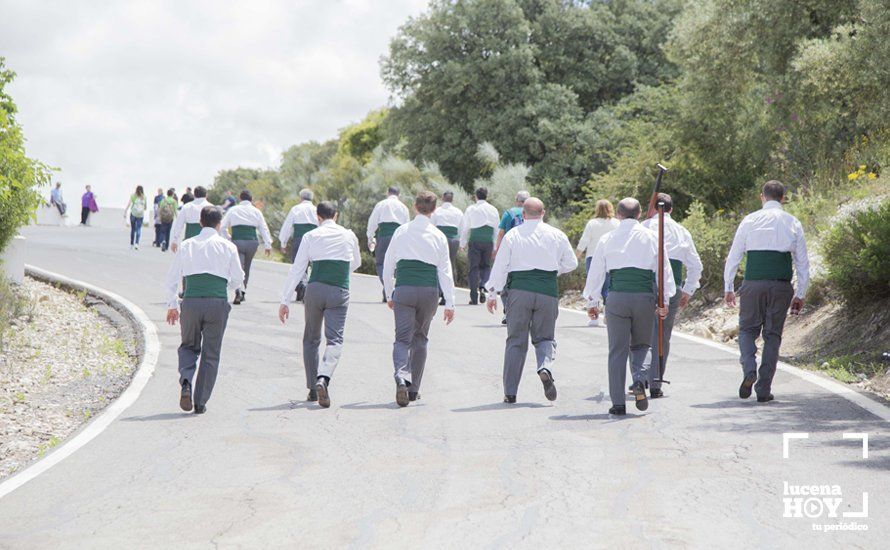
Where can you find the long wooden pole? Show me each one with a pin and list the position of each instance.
(661, 303)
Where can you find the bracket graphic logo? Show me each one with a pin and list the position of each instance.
(821, 501)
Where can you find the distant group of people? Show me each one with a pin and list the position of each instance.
(516, 256)
(88, 204)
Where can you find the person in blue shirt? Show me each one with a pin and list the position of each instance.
(512, 218)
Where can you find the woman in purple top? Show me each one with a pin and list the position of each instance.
(87, 206)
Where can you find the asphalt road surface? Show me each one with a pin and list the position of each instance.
(457, 469)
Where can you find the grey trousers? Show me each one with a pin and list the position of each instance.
(324, 304)
(629, 319)
(380, 254)
(763, 307)
(246, 252)
(528, 313)
(479, 259)
(651, 363)
(202, 323)
(414, 308)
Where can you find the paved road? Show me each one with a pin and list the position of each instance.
(457, 469)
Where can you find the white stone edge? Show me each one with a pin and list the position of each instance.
(151, 348)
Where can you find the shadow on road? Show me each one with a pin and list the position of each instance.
(500, 406)
(372, 406)
(601, 416)
(289, 406)
(161, 416)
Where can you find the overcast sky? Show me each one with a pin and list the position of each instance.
(167, 93)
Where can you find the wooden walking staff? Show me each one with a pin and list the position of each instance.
(658, 206)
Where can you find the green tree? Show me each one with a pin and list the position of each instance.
(21, 177)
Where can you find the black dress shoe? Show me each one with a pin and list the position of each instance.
(413, 396)
(640, 396)
(504, 321)
(200, 409)
(441, 301)
(321, 389)
(765, 399)
(185, 396)
(301, 293)
(510, 399)
(549, 386)
(312, 397)
(745, 388)
(618, 410)
(402, 394)
(655, 393)
(474, 302)
(239, 297)
(481, 295)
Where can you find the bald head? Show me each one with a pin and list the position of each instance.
(532, 209)
(629, 209)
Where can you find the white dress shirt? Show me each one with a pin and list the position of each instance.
(421, 241)
(303, 212)
(189, 213)
(206, 252)
(679, 245)
(246, 213)
(389, 210)
(532, 245)
(447, 215)
(770, 228)
(329, 242)
(593, 232)
(477, 215)
(629, 245)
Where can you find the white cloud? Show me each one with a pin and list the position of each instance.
(167, 93)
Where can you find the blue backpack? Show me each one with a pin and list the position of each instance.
(515, 219)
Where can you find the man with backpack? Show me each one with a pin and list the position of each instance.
(166, 214)
(512, 218)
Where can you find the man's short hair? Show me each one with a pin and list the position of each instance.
(629, 209)
(425, 202)
(393, 191)
(171, 192)
(448, 196)
(245, 195)
(666, 199)
(773, 190)
(522, 196)
(306, 195)
(326, 210)
(211, 216)
(481, 193)
(200, 192)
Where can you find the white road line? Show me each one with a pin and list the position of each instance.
(137, 384)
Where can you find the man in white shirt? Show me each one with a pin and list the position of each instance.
(188, 219)
(528, 262)
(208, 265)
(300, 220)
(477, 236)
(334, 253)
(244, 221)
(773, 240)
(630, 255)
(447, 219)
(681, 252)
(416, 266)
(387, 216)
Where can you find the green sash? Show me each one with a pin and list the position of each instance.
(677, 268)
(416, 273)
(768, 265)
(330, 272)
(192, 230)
(534, 280)
(482, 234)
(632, 279)
(205, 285)
(449, 231)
(386, 229)
(301, 229)
(244, 233)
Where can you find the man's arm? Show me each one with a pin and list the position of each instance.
(596, 276)
(500, 237)
(373, 223)
(499, 271)
(287, 229)
(584, 241)
(446, 278)
(297, 271)
(567, 260)
(801, 263)
(389, 265)
(224, 226)
(236, 274)
(171, 283)
(464, 228)
(736, 252)
(356, 253)
(176, 231)
(264, 230)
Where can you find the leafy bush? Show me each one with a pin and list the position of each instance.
(20, 176)
(712, 235)
(857, 253)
